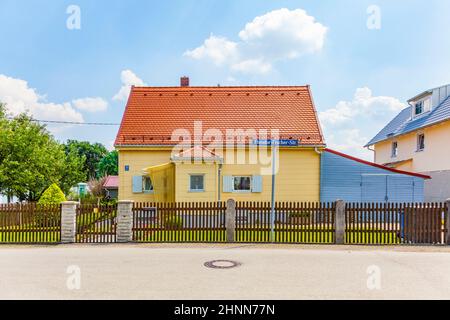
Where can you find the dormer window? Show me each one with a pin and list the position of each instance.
(422, 106)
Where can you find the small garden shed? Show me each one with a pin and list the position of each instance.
(355, 180)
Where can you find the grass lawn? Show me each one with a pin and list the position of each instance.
(254, 236)
(37, 235)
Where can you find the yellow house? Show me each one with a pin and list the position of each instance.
(206, 144)
(417, 140)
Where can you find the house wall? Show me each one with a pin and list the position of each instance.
(433, 158)
(138, 160)
(298, 178)
(182, 182)
(352, 181)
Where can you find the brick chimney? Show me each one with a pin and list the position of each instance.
(184, 81)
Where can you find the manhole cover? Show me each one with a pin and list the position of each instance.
(222, 264)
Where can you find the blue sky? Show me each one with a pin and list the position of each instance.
(360, 77)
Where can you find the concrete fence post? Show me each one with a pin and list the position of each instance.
(340, 222)
(230, 220)
(447, 222)
(124, 221)
(68, 221)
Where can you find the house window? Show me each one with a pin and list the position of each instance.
(197, 183)
(422, 106)
(419, 108)
(394, 149)
(242, 184)
(147, 185)
(420, 142)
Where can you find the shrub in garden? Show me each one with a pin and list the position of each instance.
(173, 222)
(46, 209)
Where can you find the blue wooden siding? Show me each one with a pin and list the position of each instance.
(353, 181)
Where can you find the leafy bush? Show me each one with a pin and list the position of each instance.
(173, 222)
(53, 195)
(47, 213)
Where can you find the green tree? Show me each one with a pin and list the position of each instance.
(31, 159)
(91, 153)
(109, 165)
(53, 195)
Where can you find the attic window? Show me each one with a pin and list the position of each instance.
(422, 106)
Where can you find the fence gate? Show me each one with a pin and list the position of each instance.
(96, 224)
(293, 222)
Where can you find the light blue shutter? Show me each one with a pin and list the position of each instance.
(228, 184)
(257, 184)
(137, 184)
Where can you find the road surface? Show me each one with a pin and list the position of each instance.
(266, 272)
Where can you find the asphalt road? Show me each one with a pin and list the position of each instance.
(267, 272)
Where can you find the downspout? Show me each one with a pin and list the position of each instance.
(374, 154)
(219, 174)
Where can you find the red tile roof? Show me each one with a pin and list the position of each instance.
(112, 182)
(153, 113)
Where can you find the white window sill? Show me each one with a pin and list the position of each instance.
(196, 191)
(242, 191)
(148, 192)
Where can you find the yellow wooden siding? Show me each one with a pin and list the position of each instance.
(298, 178)
(183, 173)
(138, 160)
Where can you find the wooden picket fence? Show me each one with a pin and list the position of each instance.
(30, 223)
(292, 223)
(396, 223)
(96, 224)
(179, 222)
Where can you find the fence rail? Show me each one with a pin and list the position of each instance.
(179, 222)
(30, 223)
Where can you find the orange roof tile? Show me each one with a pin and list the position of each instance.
(153, 113)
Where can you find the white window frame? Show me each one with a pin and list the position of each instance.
(426, 106)
(418, 149)
(196, 175)
(143, 185)
(243, 191)
(394, 151)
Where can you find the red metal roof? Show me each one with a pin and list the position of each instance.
(112, 182)
(153, 113)
(378, 165)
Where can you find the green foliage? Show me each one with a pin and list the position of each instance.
(31, 159)
(45, 216)
(91, 155)
(109, 165)
(173, 222)
(53, 195)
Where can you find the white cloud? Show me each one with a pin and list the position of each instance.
(256, 66)
(351, 124)
(217, 49)
(363, 104)
(278, 35)
(19, 98)
(91, 104)
(128, 78)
